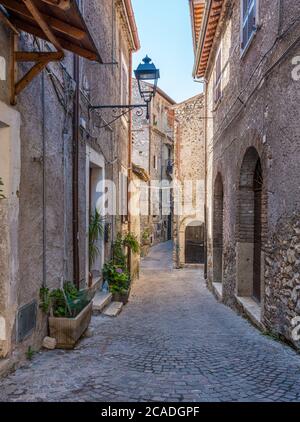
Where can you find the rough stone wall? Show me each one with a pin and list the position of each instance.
(150, 143)
(257, 109)
(189, 170)
(47, 123)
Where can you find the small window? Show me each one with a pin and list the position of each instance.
(155, 162)
(218, 76)
(249, 17)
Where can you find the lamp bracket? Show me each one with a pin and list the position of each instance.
(119, 110)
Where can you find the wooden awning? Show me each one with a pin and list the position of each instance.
(57, 21)
(197, 11)
(205, 33)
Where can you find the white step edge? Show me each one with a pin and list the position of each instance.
(101, 301)
(113, 309)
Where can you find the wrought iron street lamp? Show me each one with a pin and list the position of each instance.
(147, 77)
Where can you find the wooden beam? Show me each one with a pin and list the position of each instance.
(13, 68)
(55, 23)
(30, 75)
(28, 56)
(41, 60)
(62, 4)
(42, 23)
(7, 22)
(68, 45)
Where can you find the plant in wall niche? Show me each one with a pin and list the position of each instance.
(1, 190)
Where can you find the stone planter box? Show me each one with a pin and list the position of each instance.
(67, 331)
(121, 297)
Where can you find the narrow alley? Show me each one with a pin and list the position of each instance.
(172, 342)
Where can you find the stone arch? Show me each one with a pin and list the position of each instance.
(194, 242)
(249, 233)
(218, 218)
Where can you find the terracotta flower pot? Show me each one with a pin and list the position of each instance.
(67, 331)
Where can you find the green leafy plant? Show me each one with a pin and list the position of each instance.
(118, 279)
(1, 190)
(146, 234)
(119, 257)
(130, 240)
(96, 231)
(30, 353)
(67, 302)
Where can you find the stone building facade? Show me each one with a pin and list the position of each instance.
(246, 54)
(153, 151)
(38, 166)
(189, 186)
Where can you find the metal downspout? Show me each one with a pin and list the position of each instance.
(75, 180)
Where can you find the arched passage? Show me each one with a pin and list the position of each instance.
(249, 273)
(218, 211)
(194, 243)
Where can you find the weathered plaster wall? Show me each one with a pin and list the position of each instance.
(46, 128)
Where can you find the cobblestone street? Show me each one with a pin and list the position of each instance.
(172, 342)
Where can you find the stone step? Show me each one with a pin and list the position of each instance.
(101, 301)
(6, 365)
(113, 309)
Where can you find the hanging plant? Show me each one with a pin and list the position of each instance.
(1, 190)
(130, 240)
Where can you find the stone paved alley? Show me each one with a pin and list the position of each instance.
(172, 342)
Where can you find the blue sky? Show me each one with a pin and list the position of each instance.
(165, 32)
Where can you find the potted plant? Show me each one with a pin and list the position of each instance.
(70, 312)
(116, 271)
(96, 231)
(118, 281)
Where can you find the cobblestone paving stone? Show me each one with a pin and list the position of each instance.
(172, 342)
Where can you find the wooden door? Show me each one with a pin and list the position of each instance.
(194, 245)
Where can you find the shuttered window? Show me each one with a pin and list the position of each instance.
(249, 14)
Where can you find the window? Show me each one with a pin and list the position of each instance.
(218, 77)
(249, 18)
(155, 162)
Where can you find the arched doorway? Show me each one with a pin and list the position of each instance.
(194, 243)
(218, 230)
(249, 272)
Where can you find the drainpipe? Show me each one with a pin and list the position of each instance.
(205, 182)
(129, 157)
(75, 180)
(44, 282)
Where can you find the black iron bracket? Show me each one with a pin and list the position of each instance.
(119, 111)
